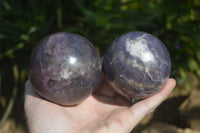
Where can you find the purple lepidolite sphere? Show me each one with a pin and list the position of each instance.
(65, 68)
(137, 65)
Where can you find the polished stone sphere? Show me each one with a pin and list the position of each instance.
(137, 65)
(65, 68)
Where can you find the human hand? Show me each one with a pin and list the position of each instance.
(103, 112)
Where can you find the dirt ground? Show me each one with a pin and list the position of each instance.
(179, 114)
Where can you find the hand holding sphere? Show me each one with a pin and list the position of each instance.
(66, 68)
(137, 65)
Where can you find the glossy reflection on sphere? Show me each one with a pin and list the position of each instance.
(65, 68)
(137, 65)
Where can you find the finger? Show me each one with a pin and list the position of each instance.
(30, 95)
(29, 89)
(106, 90)
(152, 102)
(139, 110)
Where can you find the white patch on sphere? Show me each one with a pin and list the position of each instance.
(65, 73)
(138, 48)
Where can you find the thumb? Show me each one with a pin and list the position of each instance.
(139, 110)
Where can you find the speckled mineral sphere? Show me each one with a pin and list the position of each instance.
(137, 65)
(65, 68)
